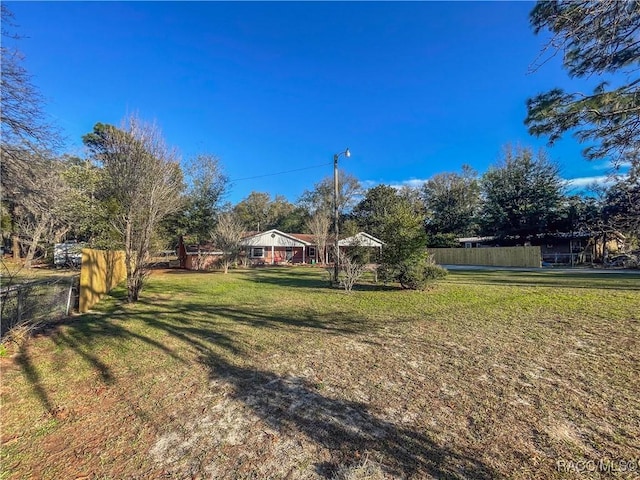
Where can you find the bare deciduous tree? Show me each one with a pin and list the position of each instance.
(321, 197)
(25, 133)
(143, 182)
(23, 123)
(41, 216)
(226, 236)
(319, 225)
(351, 270)
(36, 197)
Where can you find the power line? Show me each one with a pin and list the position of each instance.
(280, 173)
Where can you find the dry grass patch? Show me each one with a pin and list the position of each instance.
(268, 374)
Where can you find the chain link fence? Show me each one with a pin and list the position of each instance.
(29, 304)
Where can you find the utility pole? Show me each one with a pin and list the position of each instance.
(336, 259)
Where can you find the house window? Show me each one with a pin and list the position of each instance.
(467, 245)
(288, 253)
(312, 252)
(257, 252)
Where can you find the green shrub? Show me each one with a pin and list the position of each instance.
(419, 271)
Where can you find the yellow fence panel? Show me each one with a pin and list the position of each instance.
(101, 271)
(489, 256)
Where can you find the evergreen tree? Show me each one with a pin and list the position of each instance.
(522, 194)
(597, 40)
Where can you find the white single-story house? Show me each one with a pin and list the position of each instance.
(272, 247)
(275, 247)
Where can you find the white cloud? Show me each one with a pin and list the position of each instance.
(412, 182)
(582, 182)
(609, 165)
(571, 183)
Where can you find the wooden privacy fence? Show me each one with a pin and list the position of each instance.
(101, 271)
(490, 256)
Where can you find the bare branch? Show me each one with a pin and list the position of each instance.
(226, 236)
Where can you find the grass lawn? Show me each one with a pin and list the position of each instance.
(12, 272)
(268, 374)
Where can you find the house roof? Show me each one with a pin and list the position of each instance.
(305, 237)
(273, 237)
(362, 239)
(278, 238)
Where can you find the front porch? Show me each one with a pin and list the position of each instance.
(274, 247)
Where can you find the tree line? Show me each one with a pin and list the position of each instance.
(133, 192)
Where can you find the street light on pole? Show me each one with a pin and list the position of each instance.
(336, 260)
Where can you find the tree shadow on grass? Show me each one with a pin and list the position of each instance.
(291, 277)
(26, 364)
(315, 278)
(291, 405)
(377, 287)
(295, 406)
(189, 313)
(347, 429)
(79, 334)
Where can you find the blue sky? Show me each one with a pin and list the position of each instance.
(413, 89)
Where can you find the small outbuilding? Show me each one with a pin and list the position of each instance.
(198, 257)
